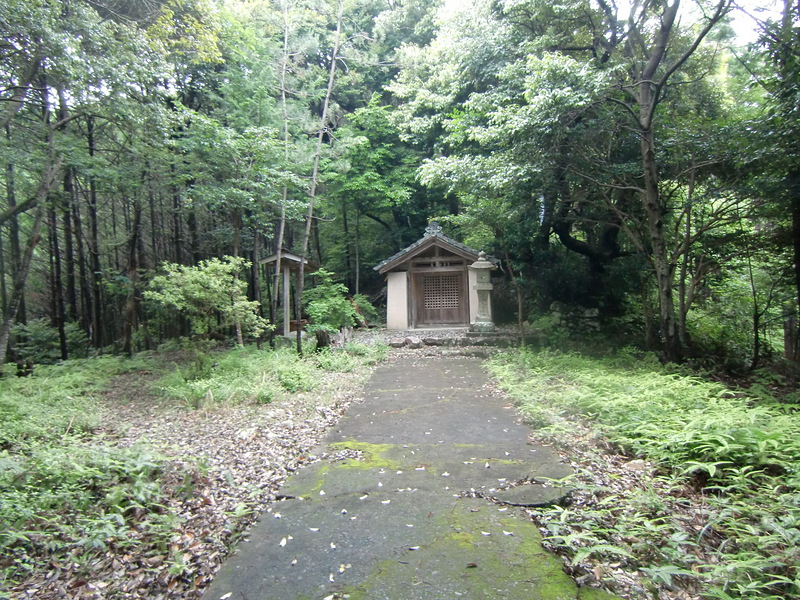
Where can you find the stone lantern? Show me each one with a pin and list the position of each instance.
(482, 269)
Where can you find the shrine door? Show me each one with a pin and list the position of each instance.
(440, 298)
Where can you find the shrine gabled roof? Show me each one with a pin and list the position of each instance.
(433, 236)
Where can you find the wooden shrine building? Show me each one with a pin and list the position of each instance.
(430, 284)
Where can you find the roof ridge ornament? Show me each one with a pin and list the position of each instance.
(433, 229)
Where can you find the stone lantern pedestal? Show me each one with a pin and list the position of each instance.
(483, 286)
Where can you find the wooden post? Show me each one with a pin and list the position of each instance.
(287, 282)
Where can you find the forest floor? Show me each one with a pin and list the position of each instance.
(229, 463)
(239, 455)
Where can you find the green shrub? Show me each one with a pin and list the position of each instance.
(294, 373)
(336, 360)
(210, 295)
(41, 344)
(327, 304)
(330, 309)
(367, 312)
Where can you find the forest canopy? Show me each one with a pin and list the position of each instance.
(638, 160)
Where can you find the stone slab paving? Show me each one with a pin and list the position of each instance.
(427, 508)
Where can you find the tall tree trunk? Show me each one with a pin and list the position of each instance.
(98, 339)
(194, 236)
(237, 234)
(13, 227)
(86, 311)
(348, 259)
(69, 195)
(69, 246)
(176, 221)
(358, 253)
(787, 65)
(276, 277)
(255, 271)
(793, 188)
(664, 271)
(49, 178)
(130, 322)
(59, 313)
(757, 313)
(650, 85)
(683, 295)
(157, 233)
(312, 193)
(20, 278)
(3, 290)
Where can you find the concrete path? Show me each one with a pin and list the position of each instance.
(425, 506)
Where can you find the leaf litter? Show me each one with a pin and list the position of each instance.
(225, 465)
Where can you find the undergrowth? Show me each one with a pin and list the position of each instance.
(66, 495)
(260, 376)
(723, 458)
(70, 497)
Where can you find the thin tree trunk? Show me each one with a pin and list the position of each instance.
(86, 311)
(194, 236)
(130, 323)
(358, 253)
(793, 188)
(13, 227)
(276, 277)
(348, 259)
(176, 220)
(20, 279)
(69, 195)
(520, 300)
(155, 229)
(3, 290)
(69, 246)
(59, 314)
(786, 62)
(94, 249)
(237, 234)
(298, 305)
(687, 233)
(255, 271)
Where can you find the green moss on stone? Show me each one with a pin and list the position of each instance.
(372, 455)
(587, 593)
(463, 561)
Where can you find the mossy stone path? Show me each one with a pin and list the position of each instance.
(429, 509)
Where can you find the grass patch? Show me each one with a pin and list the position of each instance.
(250, 375)
(57, 400)
(737, 459)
